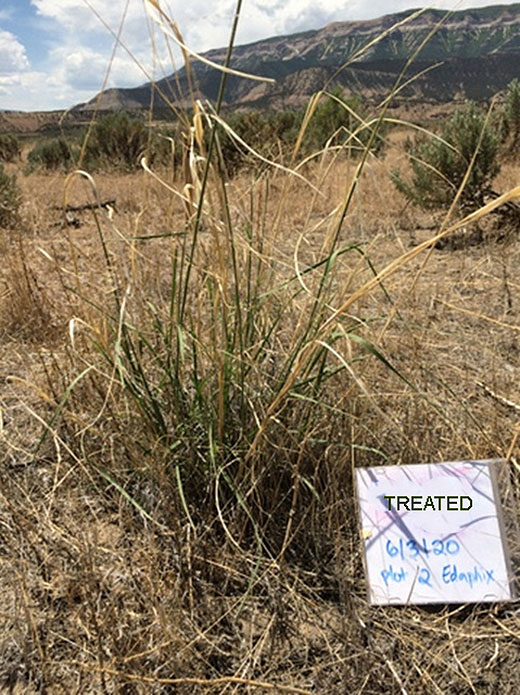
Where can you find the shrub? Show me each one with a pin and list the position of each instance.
(512, 116)
(274, 134)
(119, 141)
(269, 134)
(10, 198)
(339, 119)
(9, 148)
(439, 165)
(52, 154)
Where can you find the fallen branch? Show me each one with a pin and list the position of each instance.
(86, 206)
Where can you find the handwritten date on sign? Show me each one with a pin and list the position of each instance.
(451, 552)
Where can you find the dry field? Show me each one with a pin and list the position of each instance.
(180, 419)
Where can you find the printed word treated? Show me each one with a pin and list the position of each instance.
(418, 503)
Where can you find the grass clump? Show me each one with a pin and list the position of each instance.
(469, 142)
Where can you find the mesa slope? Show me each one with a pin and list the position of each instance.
(476, 53)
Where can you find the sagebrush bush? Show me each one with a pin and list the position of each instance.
(9, 148)
(10, 198)
(271, 134)
(340, 120)
(51, 155)
(118, 141)
(337, 121)
(439, 164)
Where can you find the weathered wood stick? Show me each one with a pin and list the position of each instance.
(86, 206)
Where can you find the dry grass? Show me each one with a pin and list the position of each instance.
(114, 582)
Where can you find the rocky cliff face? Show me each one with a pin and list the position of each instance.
(476, 53)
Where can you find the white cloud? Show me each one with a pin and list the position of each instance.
(84, 69)
(7, 81)
(35, 91)
(88, 32)
(13, 58)
(76, 14)
(83, 17)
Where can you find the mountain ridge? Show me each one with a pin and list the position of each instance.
(479, 52)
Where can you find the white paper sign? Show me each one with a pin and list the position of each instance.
(432, 533)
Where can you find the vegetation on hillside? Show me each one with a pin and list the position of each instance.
(476, 51)
(119, 141)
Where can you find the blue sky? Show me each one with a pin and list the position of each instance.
(55, 53)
